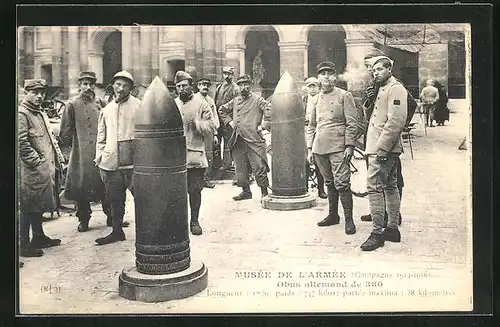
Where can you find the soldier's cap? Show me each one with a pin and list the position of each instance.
(243, 79)
(228, 69)
(374, 52)
(326, 65)
(182, 76)
(311, 81)
(33, 84)
(205, 80)
(87, 75)
(124, 74)
(374, 60)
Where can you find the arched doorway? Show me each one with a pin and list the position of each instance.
(112, 56)
(262, 58)
(326, 43)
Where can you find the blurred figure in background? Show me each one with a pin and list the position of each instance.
(429, 97)
(441, 112)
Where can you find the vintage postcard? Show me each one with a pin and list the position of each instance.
(269, 195)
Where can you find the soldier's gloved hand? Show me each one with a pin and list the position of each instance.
(348, 152)
(382, 155)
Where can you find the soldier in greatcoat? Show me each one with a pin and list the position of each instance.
(198, 124)
(248, 115)
(79, 126)
(383, 147)
(114, 151)
(331, 136)
(37, 167)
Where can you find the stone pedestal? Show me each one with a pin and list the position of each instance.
(289, 180)
(163, 267)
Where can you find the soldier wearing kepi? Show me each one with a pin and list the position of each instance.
(331, 136)
(198, 124)
(38, 164)
(383, 147)
(211, 140)
(79, 127)
(247, 115)
(114, 155)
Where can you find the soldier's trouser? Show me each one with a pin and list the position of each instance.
(84, 211)
(116, 183)
(382, 191)
(27, 219)
(429, 110)
(224, 133)
(245, 158)
(334, 171)
(195, 183)
(209, 152)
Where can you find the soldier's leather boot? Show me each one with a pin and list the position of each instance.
(333, 204)
(110, 238)
(83, 226)
(373, 242)
(367, 217)
(26, 250)
(392, 235)
(194, 225)
(209, 184)
(41, 241)
(347, 204)
(245, 195)
(109, 222)
(263, 191)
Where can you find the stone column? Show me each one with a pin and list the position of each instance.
(73, 58)
(219, 52)
(145, 52)
(199, 37)
(190, 42)
(209, 51)
(29, 50)
(235, 56)
(84, 48)
(65, 61)
(356, 49)
(433, 63)
(127, 53)
(21, 65)
(155, 60)
(136, 54)
(57, 56)
(292, 59)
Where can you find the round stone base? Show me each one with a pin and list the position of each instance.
(274, 202)
(159, 288)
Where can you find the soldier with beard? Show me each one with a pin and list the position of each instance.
(198, 124)
(211, 140)
(38, 164)
(79, 127)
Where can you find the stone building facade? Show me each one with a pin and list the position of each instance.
(59, 53)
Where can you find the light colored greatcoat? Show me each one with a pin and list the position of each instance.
(115, 133)
(333, 121)
(198, 123)
(79, 126)
(388, 118)
(38, 160)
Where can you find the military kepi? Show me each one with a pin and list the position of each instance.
(326, 65)
(87, 75)
(228, 69)
(33, 84)
(182, 76)
(243, 79)
(124, 74)
(205, 80)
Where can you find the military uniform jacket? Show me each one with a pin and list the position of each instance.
(38, 160)
(332, 122)
(225, 93)
(247, 114)
(388, 118)
(115, 133)
(211, 103)
(198, 122)
(79, 126)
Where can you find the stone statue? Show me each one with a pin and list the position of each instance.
(258, 69)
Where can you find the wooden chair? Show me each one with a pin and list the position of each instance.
(407, 132)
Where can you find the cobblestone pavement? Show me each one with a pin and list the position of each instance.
(80, 277)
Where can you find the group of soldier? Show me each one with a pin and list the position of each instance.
(100, 166)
